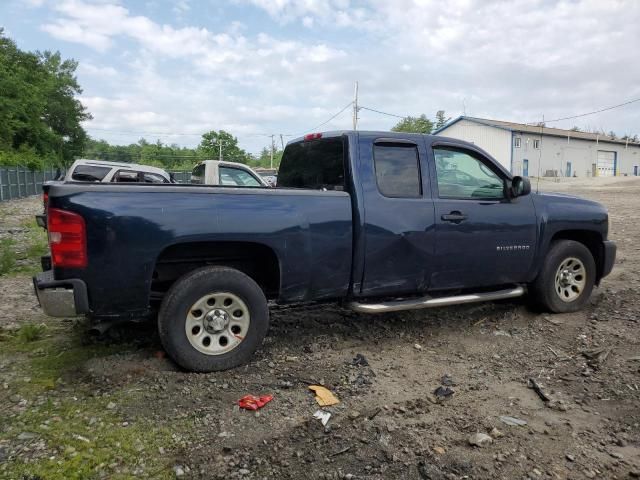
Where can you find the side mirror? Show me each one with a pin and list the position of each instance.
(520, 186)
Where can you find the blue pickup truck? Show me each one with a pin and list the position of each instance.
(380, 221)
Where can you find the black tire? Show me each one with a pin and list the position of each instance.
(544, 289)
(181, 297)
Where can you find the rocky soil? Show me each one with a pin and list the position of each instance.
(486, 391)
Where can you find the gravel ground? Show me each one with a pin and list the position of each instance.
(118, 408)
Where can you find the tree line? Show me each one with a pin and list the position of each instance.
(175, 157)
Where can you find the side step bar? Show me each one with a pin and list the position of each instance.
(430, 302)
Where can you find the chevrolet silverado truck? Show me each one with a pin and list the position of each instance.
(380, 221)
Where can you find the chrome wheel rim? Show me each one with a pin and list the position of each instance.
(217, 323)
(571, 277)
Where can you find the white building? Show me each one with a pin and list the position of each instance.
(547, 152)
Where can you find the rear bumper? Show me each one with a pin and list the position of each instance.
(609, 257)
(61, 298)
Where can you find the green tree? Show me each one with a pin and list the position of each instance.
(170, 157)
(441, 119)
(210, 147)
(264, 158)
(576, 129)
(63, 112)
(39, 113)
(419, 124)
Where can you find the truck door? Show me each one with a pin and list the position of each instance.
(482, 238)
(398, 215)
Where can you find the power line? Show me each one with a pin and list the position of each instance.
(605, 109)
(323, 123)
(383, 113)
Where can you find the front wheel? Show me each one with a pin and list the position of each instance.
(213, 318)
(566, 279)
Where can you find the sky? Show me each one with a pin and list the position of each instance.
(171, 70)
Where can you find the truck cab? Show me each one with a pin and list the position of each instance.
(378, 221)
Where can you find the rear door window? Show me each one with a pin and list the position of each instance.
(397, 169)
(316, 164)
(89, 173)
(126, 176)
(153, 178)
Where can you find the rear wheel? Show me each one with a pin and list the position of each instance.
(566, 279)
(213, 319)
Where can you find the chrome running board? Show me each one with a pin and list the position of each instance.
(430, 302)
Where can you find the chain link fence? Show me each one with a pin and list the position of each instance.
(20, 182)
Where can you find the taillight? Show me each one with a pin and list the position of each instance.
(67, 239)
(312, 136)
(45, 200)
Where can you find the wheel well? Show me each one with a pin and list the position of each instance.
(255, 260)
(591, 240)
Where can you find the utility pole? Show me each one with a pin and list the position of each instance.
(220, 144)
(282, 141)
(355, 108)
(272, 147)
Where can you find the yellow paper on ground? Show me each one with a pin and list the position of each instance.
(324, 397)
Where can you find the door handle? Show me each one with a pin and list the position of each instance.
(454, 217)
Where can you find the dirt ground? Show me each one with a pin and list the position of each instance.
(76, 407)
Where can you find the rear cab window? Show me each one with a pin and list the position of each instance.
(316, 164)
(197, 175)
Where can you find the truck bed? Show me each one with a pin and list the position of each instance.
(130, 226)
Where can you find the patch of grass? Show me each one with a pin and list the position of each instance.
(91, 441)
(45, 359)
(7, 256)
(25, 258)
(38, 245)
(30, 332)
(83, 437)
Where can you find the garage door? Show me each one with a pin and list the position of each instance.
(606, 163)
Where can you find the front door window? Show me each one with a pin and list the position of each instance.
(462, 175)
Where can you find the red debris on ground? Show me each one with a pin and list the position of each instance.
(249, 402)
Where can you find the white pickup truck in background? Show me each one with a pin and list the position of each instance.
(217, 172)
(84, 170)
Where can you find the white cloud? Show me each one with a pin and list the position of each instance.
(88, 68)
(511, 60)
